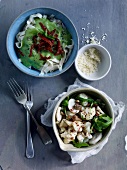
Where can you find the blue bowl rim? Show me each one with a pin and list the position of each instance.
(41, 76)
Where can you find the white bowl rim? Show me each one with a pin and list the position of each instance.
(60, 142)
(88, 46)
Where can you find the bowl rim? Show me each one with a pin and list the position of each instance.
(60, 142)
(88, 46)
(39, 75)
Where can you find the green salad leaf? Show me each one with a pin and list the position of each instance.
(102, 122)
(80, 144)
(64, 104)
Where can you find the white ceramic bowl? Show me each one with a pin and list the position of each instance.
(108, 109)
(103, 67)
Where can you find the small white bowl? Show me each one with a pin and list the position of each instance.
(103, 67)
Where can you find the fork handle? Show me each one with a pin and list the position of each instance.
(29, 145)
(46, 139)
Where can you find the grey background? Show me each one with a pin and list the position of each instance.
(111, 18)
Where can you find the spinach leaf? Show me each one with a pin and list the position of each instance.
(102, 122)
(80, 144)
(65, 102)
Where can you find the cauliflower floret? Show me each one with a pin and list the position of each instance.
(77, 125)
(90, 112)
(99, 110)
(86, 127)
(81, 137)
(88, 135)
(86, 130)
(69, 135)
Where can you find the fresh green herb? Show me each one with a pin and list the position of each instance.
(65, 102)
(64, 109)
(80, 144)
(84, 100)
(91, 101)
(102, 122)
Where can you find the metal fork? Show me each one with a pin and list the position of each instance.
(29, 142)
(21, 98)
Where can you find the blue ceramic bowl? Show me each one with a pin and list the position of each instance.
(18, 25)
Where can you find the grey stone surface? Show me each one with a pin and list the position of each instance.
(111, 18)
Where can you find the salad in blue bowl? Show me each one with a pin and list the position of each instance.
(42, 42)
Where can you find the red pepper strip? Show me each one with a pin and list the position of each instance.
(35, 39)
(59, 48)
(56, 35)
(52, 32)
(31, 48)
(48, 48)
(46, 29)
(20, 52)
(38, 47)
(42, 26)
(45, 39)
(44, 58)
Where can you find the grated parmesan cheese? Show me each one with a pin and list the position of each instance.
(89, 60)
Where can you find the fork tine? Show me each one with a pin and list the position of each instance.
(28, 91)
(31, 94)
(12, 89)
(25, 89)
(17, 85)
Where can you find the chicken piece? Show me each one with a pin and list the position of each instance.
(76, 118)
(58, 115)
(67, 140)
(69, 115)
(62, 129)
(63, 124)
(69, 123)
